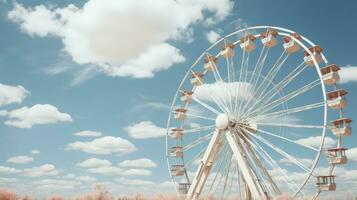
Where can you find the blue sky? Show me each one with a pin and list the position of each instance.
(53, 58)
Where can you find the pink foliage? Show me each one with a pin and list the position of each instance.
(55, 197)
(7, 194)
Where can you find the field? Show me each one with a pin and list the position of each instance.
(99, 193)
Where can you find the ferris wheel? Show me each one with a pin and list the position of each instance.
(250, 119)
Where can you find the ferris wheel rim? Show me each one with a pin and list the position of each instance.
(316, 65)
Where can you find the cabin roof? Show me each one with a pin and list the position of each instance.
(288, 38)
(248, 37)
(269, 31)
(341, 121)
(326, 176)
(177, 129)
(336, 93)
(180, 110)
(197, 74)
(329, 68)
(210, 58)
(336, 149)
(314, 49)
(227, 45)
(187, 92)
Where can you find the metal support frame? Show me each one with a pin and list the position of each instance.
(205, 167)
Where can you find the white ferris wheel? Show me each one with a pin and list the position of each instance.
(252, 116)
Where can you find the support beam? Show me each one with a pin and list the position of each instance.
(256, 190)
(205, 167)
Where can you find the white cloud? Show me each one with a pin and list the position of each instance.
(43, 170)
(352, 154)
(55, 184)
(105, 167)
(134, 182)
(116, 171)
(26, 117)
(12, 94)
(122, 38)
(40, 21)
(314, 141)
(348, 74)
(223, 90)
(104, 145)
(144, 130)
(86, 178)
(306, 161)
(212, 36)
(35, 151)
(88, 133)
(7, 180)
(8, 170)
(136, 172)
(94, 163)
(139, 163)
(20, 159)
(107, 171)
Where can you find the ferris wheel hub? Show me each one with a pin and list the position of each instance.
(222, 121)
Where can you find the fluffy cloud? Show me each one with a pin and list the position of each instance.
(43, 170)
(94, 163)
(306, 161)
(12, 94)
(133, 182)
(52, 184)
(88, 134)
(8, 170)
(122, 38)
(144, 130)
(212, 36)
(105, 167)
(352, 154)
(348, 74)
(314, 141)
(26, 117)
(223, 91)
(104, 145)
(139, 163)
(20, 159)
(7, 180)
(35, 151)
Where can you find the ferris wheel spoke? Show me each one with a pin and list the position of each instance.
(278, 87)
(259, 66)
(208, 107)
(201, 128)
(272, 73)
(222, 159)
(274, 165)
(282, 153)
(282, 84)
(226, 177)
(289, 140)
(286, 98)
(195, 158)
(199, 117)
(241, 84)
(291, 125)
(286, 112)
(219, 79)
(214, 98)
(218, 182)
(197, 142)
(235, 169)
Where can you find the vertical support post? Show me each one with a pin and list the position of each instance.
(255, 189)
(205, 167)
